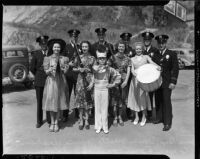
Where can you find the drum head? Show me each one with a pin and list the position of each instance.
(147, 73)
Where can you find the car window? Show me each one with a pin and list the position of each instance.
(10, 54)
(20, 53)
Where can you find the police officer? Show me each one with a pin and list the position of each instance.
(71, 76)
(36, 67)
(126, 38)
(101, 33)
(155, 56)
(170, 71)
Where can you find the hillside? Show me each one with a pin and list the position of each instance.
(22, 24)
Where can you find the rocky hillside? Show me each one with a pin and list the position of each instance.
(22, 24)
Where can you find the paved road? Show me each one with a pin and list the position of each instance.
(20, 135)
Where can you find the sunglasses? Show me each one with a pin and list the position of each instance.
(102, 58)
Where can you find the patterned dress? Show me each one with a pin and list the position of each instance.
(83, 98)
(56, 88)
(120, 63)
(138, 99)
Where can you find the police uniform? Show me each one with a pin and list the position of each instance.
(109, 47)
(170, 71)
(71, 76)
(36, 67)
(155, 56)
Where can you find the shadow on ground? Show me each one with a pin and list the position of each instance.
(14, 88)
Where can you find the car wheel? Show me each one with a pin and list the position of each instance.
(18, 73)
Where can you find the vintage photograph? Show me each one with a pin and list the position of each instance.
(81, 79)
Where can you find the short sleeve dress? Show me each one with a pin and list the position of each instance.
(83, 98)
(120, 63)
(56, 89)
(138, 99)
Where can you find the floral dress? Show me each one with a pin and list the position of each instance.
(120, 63)
(83, 98)
(55, 96)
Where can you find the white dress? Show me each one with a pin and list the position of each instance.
(138, 99)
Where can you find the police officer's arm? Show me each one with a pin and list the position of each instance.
(175, 68)
(33, 64)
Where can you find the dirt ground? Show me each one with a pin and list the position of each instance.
(20, 135)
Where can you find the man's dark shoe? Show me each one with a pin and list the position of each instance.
(38, 125)
(166, 127)
(157, 121)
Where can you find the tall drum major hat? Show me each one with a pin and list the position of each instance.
(59, 41)
(100, 31)
(42, 39)
(147, 35)
(126, 36)
(162, 38)
(73, 33)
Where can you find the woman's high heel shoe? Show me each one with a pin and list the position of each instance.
(143, 122)
(81, 125)
(56, 128)
(121, 123)
(87, 126)
(51, 128)
(135, 122)
(115, 122)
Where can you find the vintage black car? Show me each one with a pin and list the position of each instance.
(185, 57)
(15, 66)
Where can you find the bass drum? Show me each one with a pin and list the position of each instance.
(149, 77)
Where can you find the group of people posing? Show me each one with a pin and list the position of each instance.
(104, 80)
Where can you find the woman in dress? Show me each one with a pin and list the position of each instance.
(138, 100)
(56, 89)
(83, 98)
(119, 94)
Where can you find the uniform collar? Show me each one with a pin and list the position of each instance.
(163, 52)
(44, 52)
(72, 44)
(147, 48)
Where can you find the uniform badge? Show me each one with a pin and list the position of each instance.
(167, 57)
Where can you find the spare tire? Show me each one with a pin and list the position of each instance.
(18, 73)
